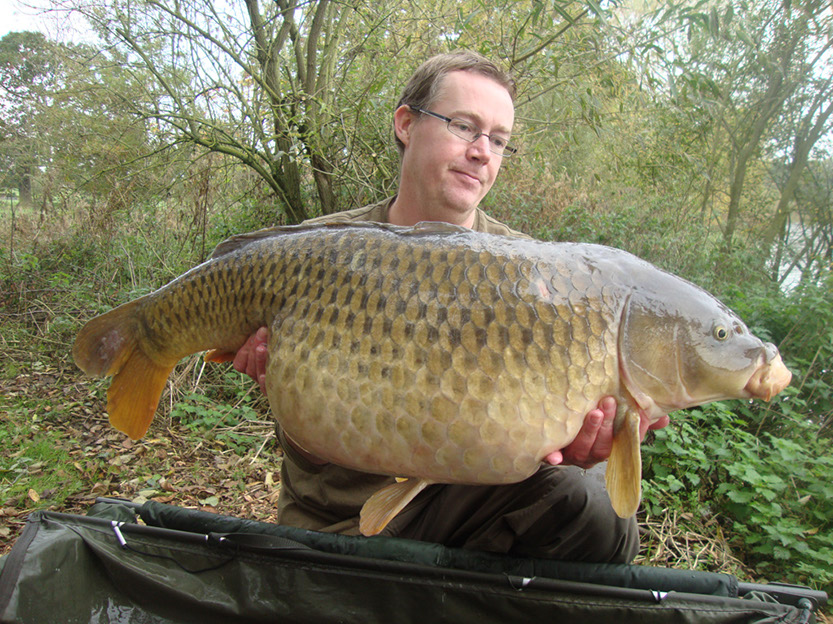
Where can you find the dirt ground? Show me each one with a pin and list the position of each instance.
(170, 465)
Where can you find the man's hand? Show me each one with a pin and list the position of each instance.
(250, 359)
(595, 438)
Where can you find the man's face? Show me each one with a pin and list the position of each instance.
(447, 174)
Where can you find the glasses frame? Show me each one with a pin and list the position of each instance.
(508, 149)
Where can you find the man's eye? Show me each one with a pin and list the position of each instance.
(498, 141)
(462, 126)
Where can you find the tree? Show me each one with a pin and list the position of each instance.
(804, 221)
(255, 82)
(799, 181)
(68, 132)
(27, 77)
(296, 92)
(751, 66)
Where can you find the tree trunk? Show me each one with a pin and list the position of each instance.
(805, 140)
(24, 187)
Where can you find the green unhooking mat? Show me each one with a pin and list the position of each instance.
(188, 566)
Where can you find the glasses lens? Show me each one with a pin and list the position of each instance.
(470, 132)
(464, 129)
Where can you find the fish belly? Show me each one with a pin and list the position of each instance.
(437, 360)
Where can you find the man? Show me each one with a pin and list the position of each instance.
(453, 126)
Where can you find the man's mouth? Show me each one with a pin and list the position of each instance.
(472, 177)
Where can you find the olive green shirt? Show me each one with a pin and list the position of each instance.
(378, 213)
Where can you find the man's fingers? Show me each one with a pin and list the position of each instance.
(604, 436)
(599, 423)
(251, 358)
(645, 425)
(608, 407)
(260, 357)
(595, 438)
(662, 422)
(262, 335)
(594, 441)
(578, 452)
(593, 422)
(554, 458)
(241, 358)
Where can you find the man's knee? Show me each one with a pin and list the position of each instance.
(580, 523)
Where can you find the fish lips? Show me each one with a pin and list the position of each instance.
(770, 378)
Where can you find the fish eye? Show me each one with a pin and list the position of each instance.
(720, 333)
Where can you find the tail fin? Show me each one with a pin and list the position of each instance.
(108, 345)
(135, 392)
(105, 342)
(623, 477)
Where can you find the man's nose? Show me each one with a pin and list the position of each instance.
(479, 148)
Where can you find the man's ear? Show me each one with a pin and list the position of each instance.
(403, 120)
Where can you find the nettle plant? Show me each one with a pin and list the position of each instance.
(768, 481)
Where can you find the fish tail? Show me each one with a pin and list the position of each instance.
(135, 392)
(623, 477)
(109, 345)
(105, 342)
(385, 504)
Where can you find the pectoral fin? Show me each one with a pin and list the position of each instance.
(218, 355)
(385, 504)
(623, 477)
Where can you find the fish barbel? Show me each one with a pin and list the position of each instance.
(435, 352)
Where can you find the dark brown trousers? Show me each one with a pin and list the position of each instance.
(557, 513)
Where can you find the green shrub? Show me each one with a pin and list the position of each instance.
(765, 470)
(772, 494)
(218, 421)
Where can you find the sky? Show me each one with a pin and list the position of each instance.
(19, 15)
(14, 17)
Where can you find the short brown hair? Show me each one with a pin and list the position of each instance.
(424, 86)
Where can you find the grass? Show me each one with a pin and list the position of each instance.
(36, 466)
(59, 453)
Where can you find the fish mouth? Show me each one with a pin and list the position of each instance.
(769, 379)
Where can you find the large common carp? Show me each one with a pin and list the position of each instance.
(436, 352)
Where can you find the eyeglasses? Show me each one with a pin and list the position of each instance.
(470, 132)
